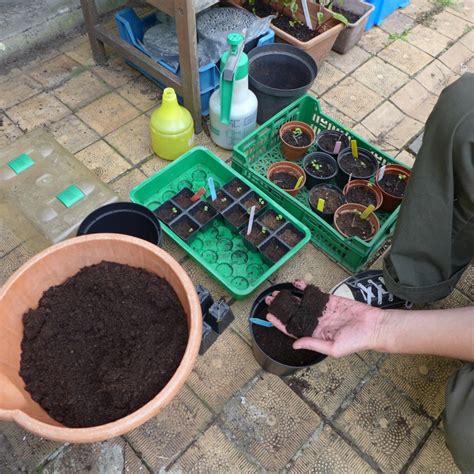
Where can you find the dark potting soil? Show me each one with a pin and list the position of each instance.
(253, 200)
(203, 213)
(353, 225)
(299, 140)
(327, 142)
(167, 212)
(102, 344)
(274, 250)
(320, 169)
(290, 237)
(237, 216)
(257, 236)
(271, 220)
(294, 28)
(284, 180)
(333, 199)
(236, 188)
(183, 198)
(361, 195)
(361, 167)
(284, 306)
(222, 202)
(351, 16)
(393, 185)
(184, 227)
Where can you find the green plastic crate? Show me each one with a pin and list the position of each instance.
(220, 251)
(253, 155)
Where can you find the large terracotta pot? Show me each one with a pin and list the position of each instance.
(52, 267)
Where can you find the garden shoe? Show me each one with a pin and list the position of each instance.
(369, 287)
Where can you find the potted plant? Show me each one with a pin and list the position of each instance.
(324, 199)
(167, 212)
(320, 168)
(363, 192)
(271, 220)
(296, 138)
(236, 188)
(185, 227)
(332, 142)
(364, 166)
(290, 24)
(286, 176)
(203, 213)
(392, 181)
(257, 236)
(253, 199)
(222, 202)
(350, 222)
(357, 13)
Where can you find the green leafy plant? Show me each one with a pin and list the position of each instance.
(264, 230)
(261, 201)
(174, 210)
(206, 208)
(190, 230)
(279, 217)
(239, 189)
(297, 132)
(329, 5)
(399, 36)
(316, 165)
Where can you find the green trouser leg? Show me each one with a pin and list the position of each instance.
(434, 240)
(459, 418)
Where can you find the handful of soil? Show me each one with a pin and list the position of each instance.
(102, 344)
(300, 316)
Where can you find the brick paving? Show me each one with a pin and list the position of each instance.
(364, 413)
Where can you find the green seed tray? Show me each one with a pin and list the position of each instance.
(218, 249)
(253, 155)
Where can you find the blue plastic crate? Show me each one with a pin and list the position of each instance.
(132, 28)
(383, 8)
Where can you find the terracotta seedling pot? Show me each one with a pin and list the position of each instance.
(52, 267)
(391, 202)
(361, 183)
(290, 168)
(349, 208)
(294, 153)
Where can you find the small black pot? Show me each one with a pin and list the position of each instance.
(334, 136)
(312, 179)
(327, 216)
(125, 218)
(369, 158)
(259, 309)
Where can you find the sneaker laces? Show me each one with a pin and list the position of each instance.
(368, 294)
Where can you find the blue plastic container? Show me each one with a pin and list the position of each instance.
(383, 8)
(132, 28)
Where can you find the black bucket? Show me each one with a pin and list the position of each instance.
(259, 310)
(123, 218)
(278, 75)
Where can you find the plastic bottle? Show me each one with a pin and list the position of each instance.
(171, 127)
(233, 108)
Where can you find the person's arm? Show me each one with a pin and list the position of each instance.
(447, 332)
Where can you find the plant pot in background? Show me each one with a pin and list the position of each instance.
(326, 141)
(274, 363)
(328, 168)
(348, 165)
(352, 33)
(294, 152)
(53, 267)
(278, 75)
(390, 201)
(333, 197)
(125, 218)
(347, 212)
(364, 187)
(288, 168)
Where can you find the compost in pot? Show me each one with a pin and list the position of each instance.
(102, 344)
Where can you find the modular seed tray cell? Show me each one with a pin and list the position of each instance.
(217, 246)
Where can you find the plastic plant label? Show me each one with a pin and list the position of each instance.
(381, 173)
(70, 196)
(198, 195)
(251, 220)
(298, 183)
(21, 163)
(368, 210)
(355, 149)
(337, 147)
(212, 188)
(321, 204)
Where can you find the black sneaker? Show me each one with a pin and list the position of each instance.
(369, 288)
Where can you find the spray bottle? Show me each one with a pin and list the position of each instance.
(233, 107)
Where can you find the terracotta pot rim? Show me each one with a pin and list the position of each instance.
(296, 123)
(163, 398)
(350, 206)
(393, 169)
(287, 164)
(365, 183)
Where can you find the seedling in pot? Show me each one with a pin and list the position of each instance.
(236, 188)
(353, 220)
(185, 227)
(223, 201)
(203, 213)
(324, 199)
(363, 192)
(257, 236)
(253, 199)
(332, 142)
(362, 166)
(219, 316)
(167, 212)
(328, 4)
(271, 220)
(320, 168)
(296, 138)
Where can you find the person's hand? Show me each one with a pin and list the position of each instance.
(345, 327)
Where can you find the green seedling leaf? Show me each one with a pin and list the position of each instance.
(320, 18)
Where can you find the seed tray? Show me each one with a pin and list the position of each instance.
(253, 155)
(218, 248)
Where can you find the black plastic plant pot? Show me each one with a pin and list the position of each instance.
(236, 188)
(278, 75)
(363, 167)
(185, 227)
(324, 191)
(271, 220)
(236, 217)
(253, 199)
(205, 299)
(203, 213)
(208, 338)
(219, 316)
(257, 236)
(273, 250)
(271, 348)
(183, 198)
(222, 202)
(123, 218)
(290, 235)
(326, 141)
(167, 212)
(320, 168)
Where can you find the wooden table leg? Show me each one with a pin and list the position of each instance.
(89, 10)
(188, 56)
